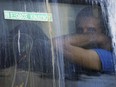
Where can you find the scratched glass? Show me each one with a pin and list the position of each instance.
(43, 43)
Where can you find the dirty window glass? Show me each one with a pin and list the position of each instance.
(57, 43)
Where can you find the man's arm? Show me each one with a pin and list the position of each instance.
(84, 40)
(86, 58)
(83, 57)
(95, 59)
(87, 39)
(72, 48)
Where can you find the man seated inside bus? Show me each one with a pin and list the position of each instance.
(90, 47)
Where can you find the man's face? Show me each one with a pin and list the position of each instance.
(88, 25)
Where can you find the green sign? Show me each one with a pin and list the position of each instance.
(31, 16)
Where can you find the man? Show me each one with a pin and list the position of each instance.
(90, 50)
(90, 47)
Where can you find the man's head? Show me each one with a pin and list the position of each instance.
(89, 20)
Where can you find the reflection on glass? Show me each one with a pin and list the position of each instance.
(73, 50)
